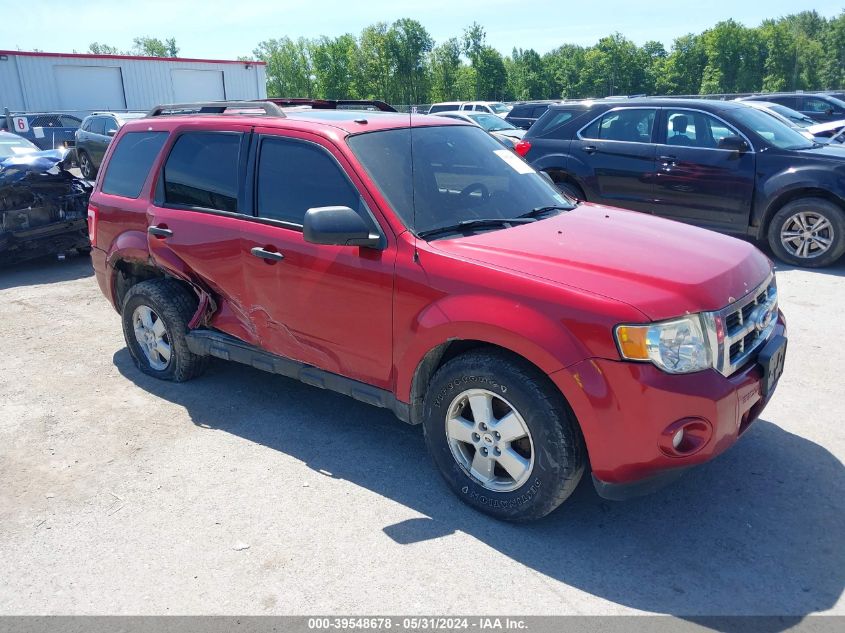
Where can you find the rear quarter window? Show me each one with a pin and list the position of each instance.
(131, 162)
(552, 122)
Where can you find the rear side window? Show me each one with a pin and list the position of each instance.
(628, 125)
(442, 108)
(520, 111)
(202, 171)
(294, 176)
(131, 162)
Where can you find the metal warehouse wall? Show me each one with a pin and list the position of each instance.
(32, 83)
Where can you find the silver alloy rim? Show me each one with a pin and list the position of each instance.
(85, 166)
(490, 440)
(806, 234)
(152, 337)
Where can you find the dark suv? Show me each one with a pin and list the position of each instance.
(721, 165)
(414, 263)
(524, 114)
(94, 136)
(819, 107)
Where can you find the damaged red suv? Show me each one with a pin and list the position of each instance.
(414, 264)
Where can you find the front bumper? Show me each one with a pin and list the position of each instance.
(625, 409)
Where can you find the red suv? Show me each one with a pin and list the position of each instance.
(413, 263)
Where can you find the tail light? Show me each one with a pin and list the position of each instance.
(93, 212)
(522, 147)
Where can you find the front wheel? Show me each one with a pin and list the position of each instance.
(502, 436)
(86, 166)
(808, 232)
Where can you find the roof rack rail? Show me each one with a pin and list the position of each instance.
(329, 104)
(215, 107)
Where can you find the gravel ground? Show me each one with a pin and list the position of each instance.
(247, 493)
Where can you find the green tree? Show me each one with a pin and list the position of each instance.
(562, 68)
(445, 65)
(154, 47)
(376, 62)
(103, 49)
(334, 63)
(409, 44)
(288, 66)
(526, 76)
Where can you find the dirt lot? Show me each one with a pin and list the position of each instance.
(246, 493)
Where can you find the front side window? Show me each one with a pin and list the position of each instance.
(202, 171)
(131, 162)
(110, 125)
(686, 128)
(294, 176)
(96, 125)
(491, 122)
(633, 125)
(770, 129)
(499, 108)
(437, 176)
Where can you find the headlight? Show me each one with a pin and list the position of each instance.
(679, 346)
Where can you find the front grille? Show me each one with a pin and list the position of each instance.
(747, 324)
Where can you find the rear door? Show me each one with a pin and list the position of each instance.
(326, 306)
(198, 214)
(820, 109)
(697, 181)
(619, 152)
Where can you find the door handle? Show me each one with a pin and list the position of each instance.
(160, 231)
(590, 149)
(265, 254)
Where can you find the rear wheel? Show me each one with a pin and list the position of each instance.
(808, 232)
(570, 190)
(86, 166)
(155, 321)
(502, 436)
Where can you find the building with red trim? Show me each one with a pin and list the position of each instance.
(40, 82)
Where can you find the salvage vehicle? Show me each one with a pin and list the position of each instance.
(43, 208)
(94, 136)
(718, 164)
(413, 263)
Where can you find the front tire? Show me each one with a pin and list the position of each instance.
(808, 232)
(86, 166)
(155, 321)
(502, 436)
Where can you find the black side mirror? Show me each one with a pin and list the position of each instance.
(111, 132)
(734, 143)
(338, 226)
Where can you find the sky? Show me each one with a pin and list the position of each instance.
(225, 29)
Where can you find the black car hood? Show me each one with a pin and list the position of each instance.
(830, 152)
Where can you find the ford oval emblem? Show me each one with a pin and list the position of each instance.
(762, 318)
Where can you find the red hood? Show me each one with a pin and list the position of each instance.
(662, 268)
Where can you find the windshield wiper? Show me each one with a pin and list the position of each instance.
(538, 211)
(474, 223)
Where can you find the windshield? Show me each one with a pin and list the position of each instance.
(11, 145)
(792, 115)
(771, 129)
(459, 173)
(500, 108)
(491, 122)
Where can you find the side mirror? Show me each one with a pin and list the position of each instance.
(338, 226)
(111, 132)
(734, 143)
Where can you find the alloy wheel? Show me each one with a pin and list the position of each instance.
(152, 337)
(490, 440)
(807, 234)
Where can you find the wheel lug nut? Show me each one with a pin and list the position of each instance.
(497, 435)
(482, 426)
(476, 437)
(484, 451)
(497, 451)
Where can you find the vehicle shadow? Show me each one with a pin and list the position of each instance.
(756, 532)
(46, 270)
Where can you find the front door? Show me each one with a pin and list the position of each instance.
(696, 180)
(326, 306)
(618, 152)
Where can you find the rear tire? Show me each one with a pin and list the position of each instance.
(570, 190)
(808, 232)
(155, 321)
(490, 406)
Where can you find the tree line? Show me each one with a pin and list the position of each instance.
(402, 64)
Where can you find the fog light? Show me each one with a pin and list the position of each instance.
(685, 437)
